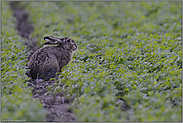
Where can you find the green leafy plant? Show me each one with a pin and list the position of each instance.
(17, 103)
(128, 50)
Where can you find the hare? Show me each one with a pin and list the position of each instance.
(49, 60)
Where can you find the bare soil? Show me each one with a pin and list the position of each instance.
(57, 104)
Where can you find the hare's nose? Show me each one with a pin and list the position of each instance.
(74, 47)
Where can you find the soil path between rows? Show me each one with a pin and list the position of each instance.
(56, 104)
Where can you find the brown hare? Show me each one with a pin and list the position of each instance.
(47, 61)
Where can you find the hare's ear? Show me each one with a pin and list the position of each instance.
(51, 40)
(50, 43)
(64, 39)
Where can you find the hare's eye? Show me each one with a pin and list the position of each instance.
(68, 40)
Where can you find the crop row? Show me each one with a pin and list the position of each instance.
(17, 103)
(128, 50)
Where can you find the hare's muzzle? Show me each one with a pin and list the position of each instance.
(74, 47)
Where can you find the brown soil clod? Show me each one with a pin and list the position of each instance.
(57, 104)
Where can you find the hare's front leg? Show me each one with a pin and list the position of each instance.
(51, 67)
(50, 74)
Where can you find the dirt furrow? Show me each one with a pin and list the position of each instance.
(57, 104)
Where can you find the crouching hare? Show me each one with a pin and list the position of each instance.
(47, 61)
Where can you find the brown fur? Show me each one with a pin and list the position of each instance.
(45, 62)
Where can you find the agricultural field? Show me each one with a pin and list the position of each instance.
(17, 103)
(128, 66)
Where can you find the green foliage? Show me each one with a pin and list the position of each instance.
(129, 50)
(17, 102)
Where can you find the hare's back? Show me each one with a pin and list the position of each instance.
(39, 57)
